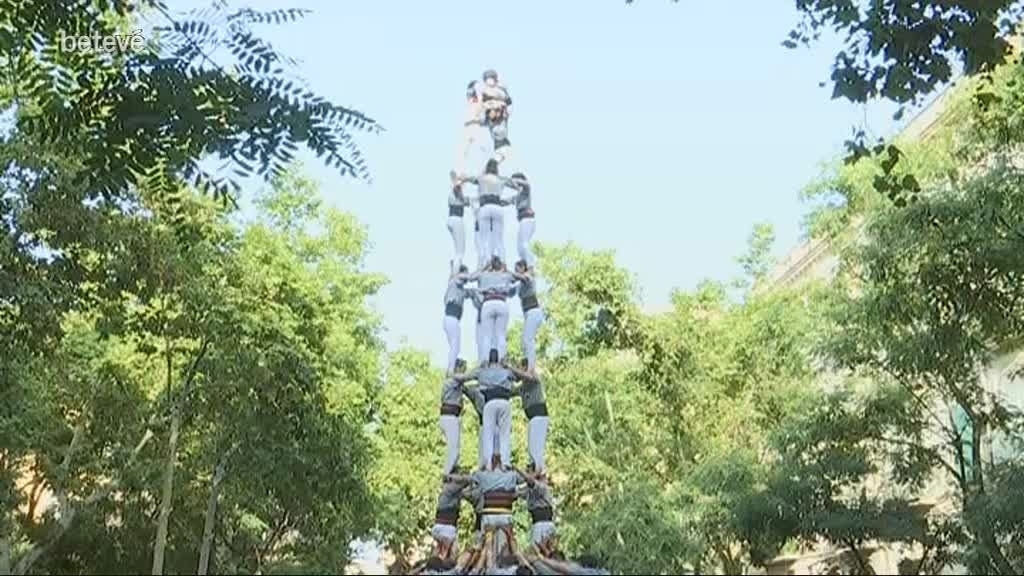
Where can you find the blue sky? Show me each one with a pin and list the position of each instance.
(663, 131)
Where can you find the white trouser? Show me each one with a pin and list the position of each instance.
(444, 533)
(532, 322)
(453, 330)
(497, 422)
(523, 238)
(492, 227)
(479, 241)
(499, 139)
(541, 532)
(481, 338)
(457, 228)
(536, 439)
(495, 326)
(451, 426)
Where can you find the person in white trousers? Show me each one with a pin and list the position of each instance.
(495, 284)
(497, 107)
(450, 418)
(531, 390)
(446, 515)
(541, 505)
(526, 216)
(457, 203)
(533, 314)
(495, 384)
(454, 297)
(492, 214)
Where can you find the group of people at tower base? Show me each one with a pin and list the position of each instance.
(494, 484)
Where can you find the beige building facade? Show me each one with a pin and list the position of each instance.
(818, 260)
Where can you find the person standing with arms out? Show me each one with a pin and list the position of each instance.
(531, 390)
(492, 215)
(533, 314)
(454, 297)
(450, 419)
(457, 203)
(524, 212)
(497, 107)
(495, 383)
(495, 284)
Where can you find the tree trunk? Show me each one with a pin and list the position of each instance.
(211, 515)
(167, 490)
(6, 566)
(166, 494)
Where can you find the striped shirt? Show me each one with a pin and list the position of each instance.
(495, 281)
(451, 393)
(532, 392)
(495, 377)
(456, 198)
(456, 293)
(527, 288)
(539, 496)
(523, 200)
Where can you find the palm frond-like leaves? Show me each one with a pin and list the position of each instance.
(171, 104)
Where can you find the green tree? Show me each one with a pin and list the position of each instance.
(157, 112)
(272, 362)
(901, 50)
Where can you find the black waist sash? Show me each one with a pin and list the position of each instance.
(447, 516)
(529, 302)
(496, 394)
(536, 410)
(453, 309)
(545, 514)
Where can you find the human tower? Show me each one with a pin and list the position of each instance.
(492, 485)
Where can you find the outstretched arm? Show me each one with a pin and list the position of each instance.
(467, 178)
(463, 378)
(524, 477)
(522, 276)
(520, 374)
(458, 478)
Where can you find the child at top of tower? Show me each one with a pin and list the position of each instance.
(497, 107)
